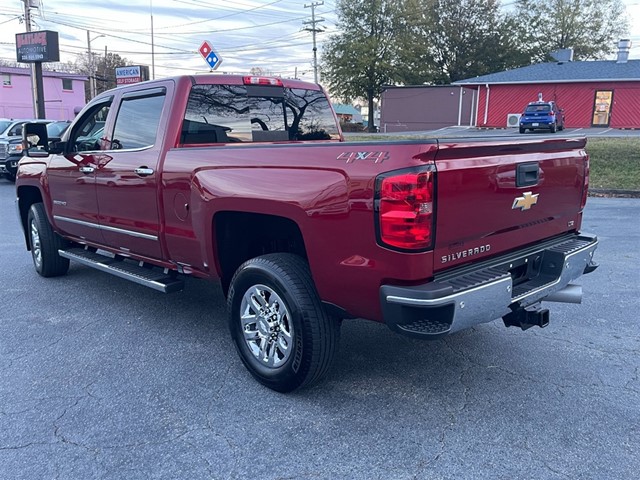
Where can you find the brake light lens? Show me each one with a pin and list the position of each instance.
(263, 81)
(405, 210)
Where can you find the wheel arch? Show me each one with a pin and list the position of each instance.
(27, 196)
(239, 236)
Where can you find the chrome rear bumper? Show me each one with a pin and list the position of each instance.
(489, 291)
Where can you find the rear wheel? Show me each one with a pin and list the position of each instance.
(45, 244)
(552, 128)
(279, 326)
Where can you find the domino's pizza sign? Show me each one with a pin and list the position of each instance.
(209, 55)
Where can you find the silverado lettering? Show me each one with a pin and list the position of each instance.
(465, 253)
(248, 181)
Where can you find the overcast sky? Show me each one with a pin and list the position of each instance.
(246, 33)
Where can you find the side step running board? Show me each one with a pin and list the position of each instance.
(155, 278)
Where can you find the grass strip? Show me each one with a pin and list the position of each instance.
(615, 163)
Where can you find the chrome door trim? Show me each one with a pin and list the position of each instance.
(107, 228)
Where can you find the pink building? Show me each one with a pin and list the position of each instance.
(63, 94)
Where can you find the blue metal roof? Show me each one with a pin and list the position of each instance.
(563, 72)
(342, 109)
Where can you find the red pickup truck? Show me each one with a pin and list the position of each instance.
(249, 180)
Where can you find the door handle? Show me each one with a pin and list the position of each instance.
(87, 169)
(143, 171)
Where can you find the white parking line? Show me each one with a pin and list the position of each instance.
(454, 127)
(604, 131)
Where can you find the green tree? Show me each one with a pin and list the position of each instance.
(362, 58)
(590, 27)
(449, 40)
(104, 69)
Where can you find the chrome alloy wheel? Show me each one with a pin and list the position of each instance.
(266, 325)
(36, 248)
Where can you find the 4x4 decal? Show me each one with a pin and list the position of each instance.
(376, 157)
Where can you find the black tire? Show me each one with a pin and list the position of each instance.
(522, 129)
(45, 243)
(313, 341)
(553, 128)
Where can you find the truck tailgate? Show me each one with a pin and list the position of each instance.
(498, 196)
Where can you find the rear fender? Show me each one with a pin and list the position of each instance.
(306, 197)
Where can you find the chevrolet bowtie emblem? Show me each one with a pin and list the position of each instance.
(525, 202)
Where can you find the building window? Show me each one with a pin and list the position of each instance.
(6, 79)
(67, 84)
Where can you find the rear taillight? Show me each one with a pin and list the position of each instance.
(552, 113)
(585, 185)
(405, 206)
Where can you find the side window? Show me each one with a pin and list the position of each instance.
(16, 130)
(89, 130)
(137, 121)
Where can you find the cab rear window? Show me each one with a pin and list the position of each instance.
(537, 108)
(239, 113)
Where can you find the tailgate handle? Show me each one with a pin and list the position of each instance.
(527, 174)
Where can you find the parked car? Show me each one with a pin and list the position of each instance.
(542, 116)
(11, 143)
(13, 127)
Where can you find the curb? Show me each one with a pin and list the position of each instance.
(608, 192)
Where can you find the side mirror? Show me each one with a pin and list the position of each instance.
(35, 141)
(56, 146)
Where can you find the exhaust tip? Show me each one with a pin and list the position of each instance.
(569, 294)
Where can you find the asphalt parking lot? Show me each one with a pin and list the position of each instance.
(102, 378)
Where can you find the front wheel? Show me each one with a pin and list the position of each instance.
(45, 243)
(279, 326)
(522, 129)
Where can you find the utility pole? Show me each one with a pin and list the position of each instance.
(105, 84)
(92, 72)
(37, 87)
(313, 29)
(153, 56)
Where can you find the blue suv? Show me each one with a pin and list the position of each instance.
(542, 116)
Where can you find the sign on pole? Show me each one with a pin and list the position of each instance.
(210, 56)
(131, 74)
(32, 47)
